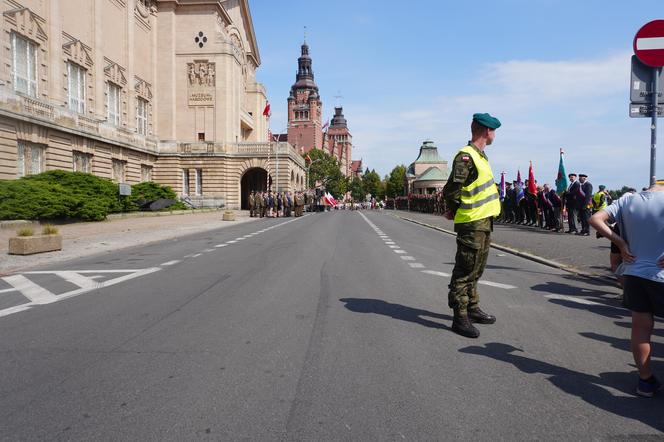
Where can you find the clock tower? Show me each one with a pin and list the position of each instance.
(304, 107)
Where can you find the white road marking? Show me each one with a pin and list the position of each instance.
(221, 245)
(240, 239)
(39, 295)
(79, 280)
(573, 299)
(408, 258)
(231, 242)
(196, 255)
(489, 283)
(189, 256)
(393, 247)
(208, 250)
(497, 284)
(399, 251)
(434, 272)
(416, 265)
(9, 290)
(170, 263)
(390, 242)
(35, 293)
(247, 236)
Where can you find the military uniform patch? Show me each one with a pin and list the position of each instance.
(465, 158)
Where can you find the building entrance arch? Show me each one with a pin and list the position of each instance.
(253, 179)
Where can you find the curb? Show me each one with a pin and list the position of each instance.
(12, 224)
(113, 216)
(526, 255)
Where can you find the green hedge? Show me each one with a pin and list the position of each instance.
(59, 194)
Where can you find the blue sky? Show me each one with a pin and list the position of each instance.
(556, 73)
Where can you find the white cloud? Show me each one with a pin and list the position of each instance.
(580, 105)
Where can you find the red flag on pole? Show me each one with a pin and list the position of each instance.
(532, 187)
(308, 158)
(266, 111)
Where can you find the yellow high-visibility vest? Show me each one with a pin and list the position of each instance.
(479, 199)
(598, 204)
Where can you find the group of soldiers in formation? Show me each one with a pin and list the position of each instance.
(275, 205)
(543, 209)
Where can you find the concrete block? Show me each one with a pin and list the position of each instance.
(229, 215)
(29, 245)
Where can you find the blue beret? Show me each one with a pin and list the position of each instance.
(487, 120)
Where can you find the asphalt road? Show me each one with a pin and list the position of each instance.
(332, 326)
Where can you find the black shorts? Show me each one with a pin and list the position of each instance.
(614, 248)
(643, 295)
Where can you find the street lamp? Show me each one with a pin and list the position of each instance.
(276, 155)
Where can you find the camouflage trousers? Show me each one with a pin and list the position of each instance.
(471, 256)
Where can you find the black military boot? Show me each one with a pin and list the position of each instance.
(477, 315)
(461, 325)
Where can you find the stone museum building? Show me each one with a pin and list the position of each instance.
(140, 90)
(428, 174)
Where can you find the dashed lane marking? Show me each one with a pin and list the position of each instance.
(196, 255)
(437, 273)
(416, 265)
(221, 245)
(170, 263)
(573, 299)
(489, 283)
(399, 251)
(408, 258)
(208, 250)
(497, 284)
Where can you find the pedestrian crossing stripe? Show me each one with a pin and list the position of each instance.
(39, 295)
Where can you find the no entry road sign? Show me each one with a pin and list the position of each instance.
(649, 44)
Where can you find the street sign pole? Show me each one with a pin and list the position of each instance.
(653, 128)
(649, 49)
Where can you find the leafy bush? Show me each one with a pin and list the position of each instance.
(58, 194)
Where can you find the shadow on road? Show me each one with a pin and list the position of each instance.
(589, 388)
(396, 311)
(610, 307)
(623, 344)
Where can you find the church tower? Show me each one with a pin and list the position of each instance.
(304, 107)
(339, 141)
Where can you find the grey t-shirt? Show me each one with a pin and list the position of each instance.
(640, 217)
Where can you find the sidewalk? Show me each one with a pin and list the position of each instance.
(90, 238)
(580, 254)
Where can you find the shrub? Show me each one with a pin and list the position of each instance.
(49, 229)
(25, 231)
(58, 194)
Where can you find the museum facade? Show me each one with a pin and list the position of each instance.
(140, 90)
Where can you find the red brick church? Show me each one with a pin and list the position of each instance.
(305, 128)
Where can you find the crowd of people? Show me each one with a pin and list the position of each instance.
(278, 204)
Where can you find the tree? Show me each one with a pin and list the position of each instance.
(395, 181)
(356, 188)
(324, 168)
(372, 184)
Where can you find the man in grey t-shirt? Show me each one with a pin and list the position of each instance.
(640, 218)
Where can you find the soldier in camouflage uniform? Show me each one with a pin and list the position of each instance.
(472, 201)
(252, 203)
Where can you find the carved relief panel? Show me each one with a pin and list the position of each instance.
(201, 80)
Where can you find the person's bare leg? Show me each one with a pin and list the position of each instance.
(642, 326)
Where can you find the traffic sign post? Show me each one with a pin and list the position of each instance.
(649, 49)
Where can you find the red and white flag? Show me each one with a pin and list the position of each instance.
(326, 125)
(266, 111)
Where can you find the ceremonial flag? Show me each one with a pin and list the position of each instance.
(327, 123)
(308, 158)
(561, 181)
(502, 186)
(519, 187)
(266, 111)
(532, 187)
